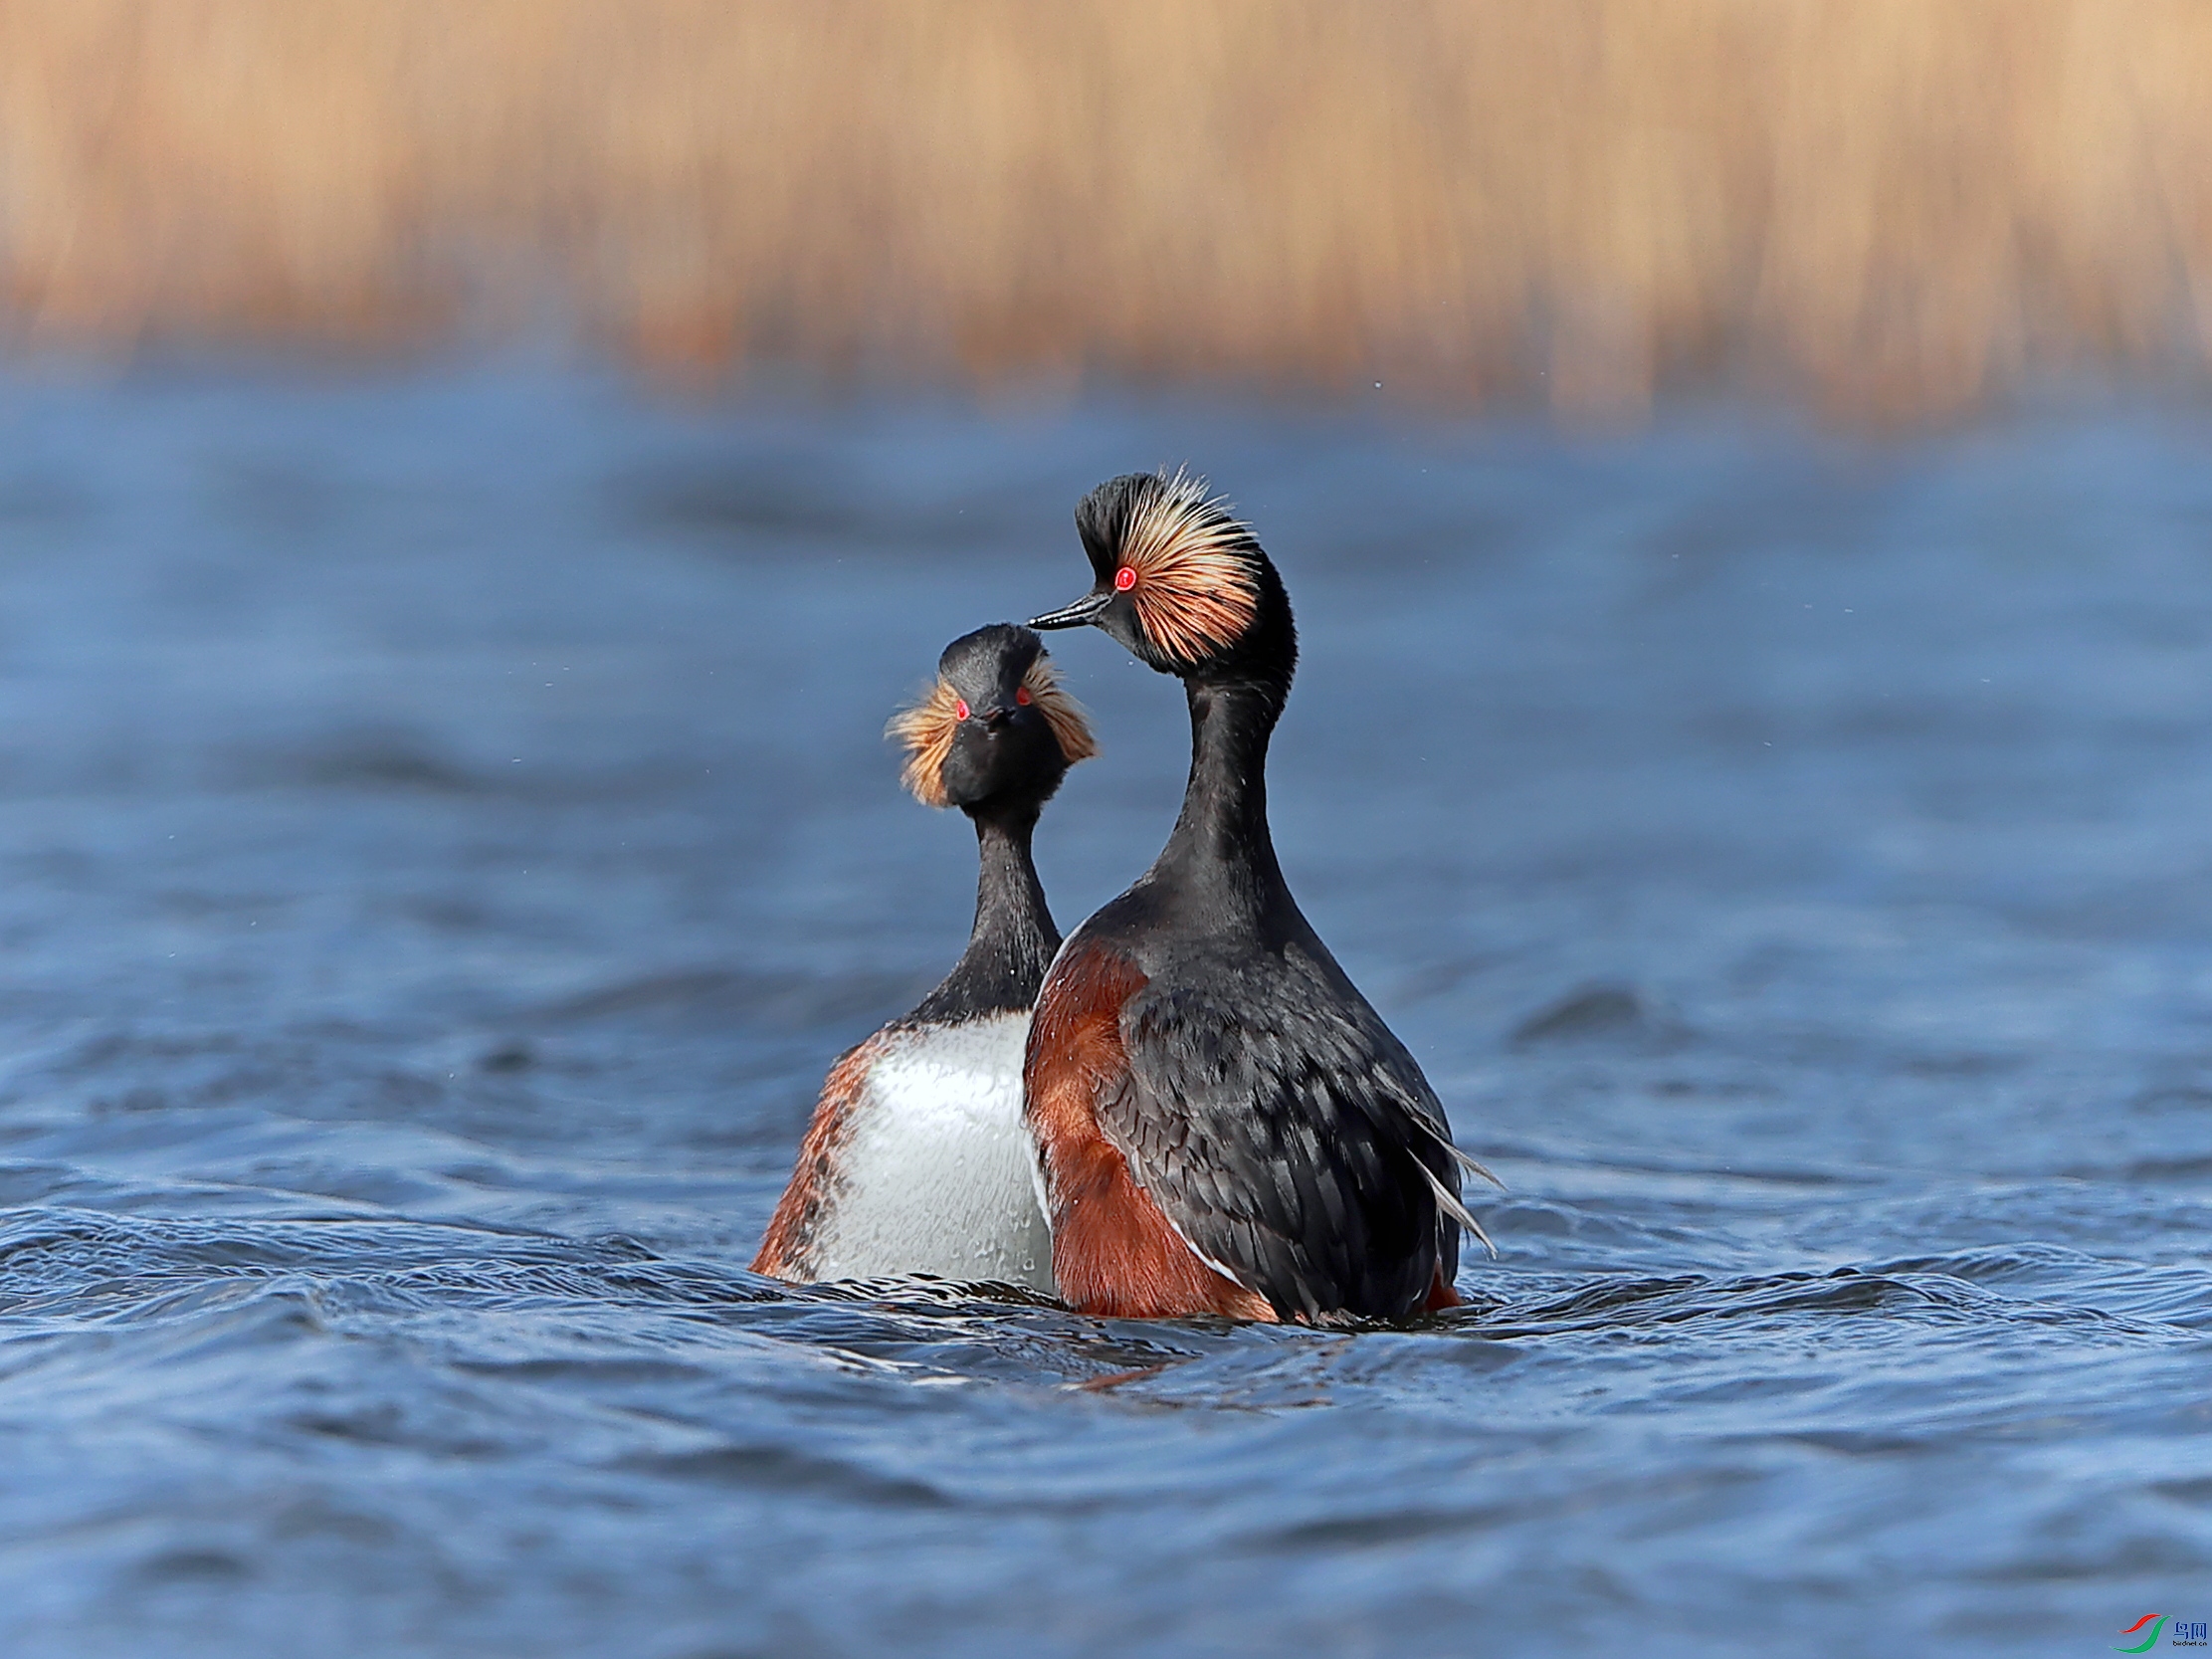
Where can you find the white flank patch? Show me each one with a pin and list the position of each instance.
(936, 1174)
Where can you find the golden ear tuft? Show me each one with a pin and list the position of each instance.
(1062, 712)
(1194, 586)
(927, 729)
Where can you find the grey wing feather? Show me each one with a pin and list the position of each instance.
(1299, 1147)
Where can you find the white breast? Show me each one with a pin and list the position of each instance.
(936, 1170)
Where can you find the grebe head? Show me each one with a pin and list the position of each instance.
(1181, 581)
(994, 731)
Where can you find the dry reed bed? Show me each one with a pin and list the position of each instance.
(1898, 206)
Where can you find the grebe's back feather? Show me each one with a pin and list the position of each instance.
(1284, 1133)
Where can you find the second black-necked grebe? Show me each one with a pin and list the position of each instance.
(917, 1159)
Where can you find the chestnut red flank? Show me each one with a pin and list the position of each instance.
(1223, 1124)
(917, 1159)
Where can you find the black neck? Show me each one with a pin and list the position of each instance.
(1013, 941)
(1221, 855)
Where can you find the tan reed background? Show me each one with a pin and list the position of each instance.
(1894, 207)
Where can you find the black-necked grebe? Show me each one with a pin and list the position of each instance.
(1225, 1126)
(917, 1159)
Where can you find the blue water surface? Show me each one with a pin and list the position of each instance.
(447, 835)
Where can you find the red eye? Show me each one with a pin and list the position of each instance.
(1021, 695)
(960, 708)
(1124, 579)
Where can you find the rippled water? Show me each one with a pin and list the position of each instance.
(447, 837)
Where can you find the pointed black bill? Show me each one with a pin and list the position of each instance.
(1084, 610)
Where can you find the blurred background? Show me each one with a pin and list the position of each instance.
(474, 479)
(1884, 208)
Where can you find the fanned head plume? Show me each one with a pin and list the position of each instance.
(1181, 581)
(1071, 727)
(994, 729)
(1190, 567)
(926, 731)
